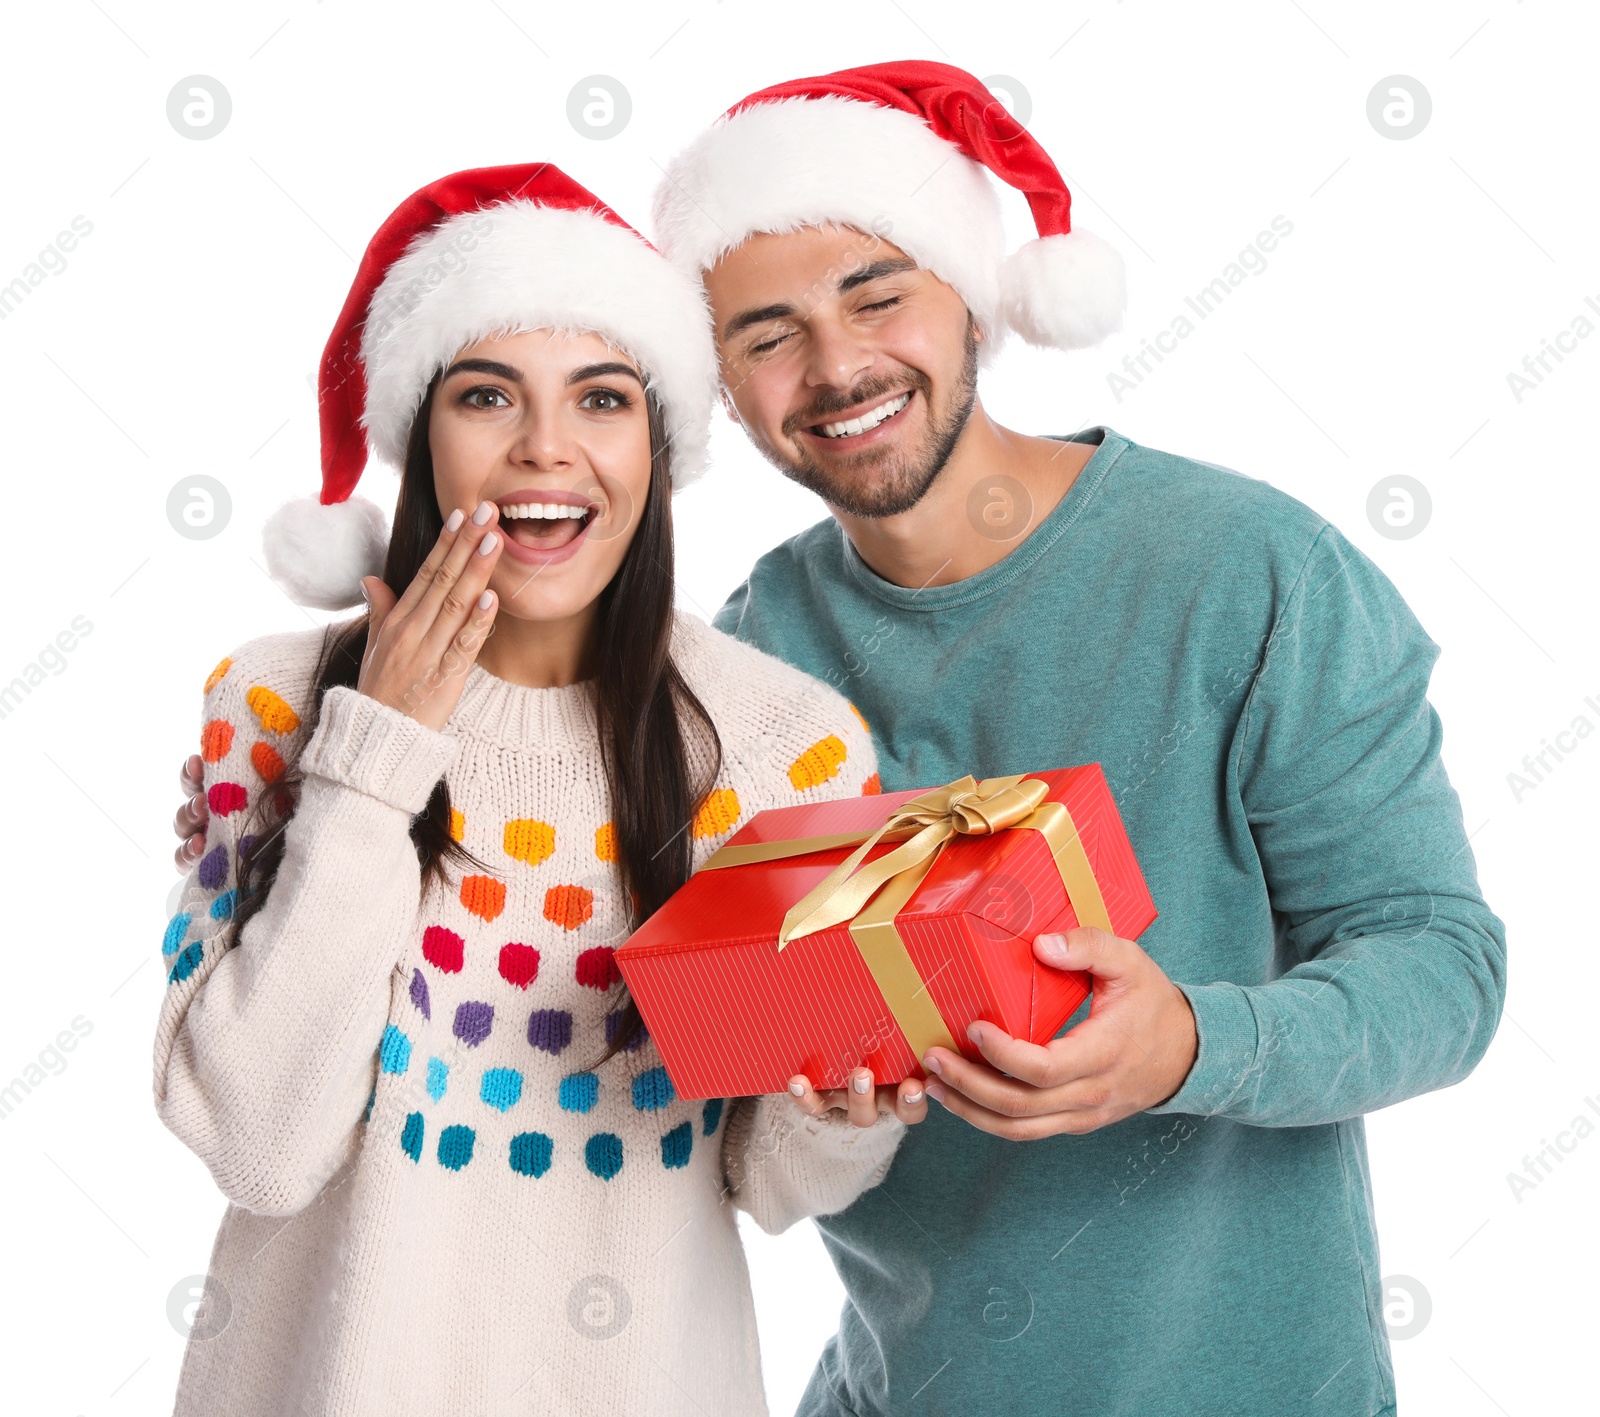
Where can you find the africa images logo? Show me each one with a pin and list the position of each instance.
(51, 261)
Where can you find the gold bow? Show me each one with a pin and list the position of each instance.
(962, 807)
(923, 826)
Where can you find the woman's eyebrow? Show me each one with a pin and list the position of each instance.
(485, 366)
(597, 371)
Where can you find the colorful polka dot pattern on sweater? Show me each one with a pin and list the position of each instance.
(414, 1045)
(227, 799)
(817, 764)
(511, 986)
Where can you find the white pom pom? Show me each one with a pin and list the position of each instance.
(319, 554)
(1064, 292)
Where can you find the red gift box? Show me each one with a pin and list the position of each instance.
(744, 981)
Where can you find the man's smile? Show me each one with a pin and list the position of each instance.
(863, 422)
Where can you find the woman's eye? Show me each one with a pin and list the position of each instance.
(604, 401)
(486, 398)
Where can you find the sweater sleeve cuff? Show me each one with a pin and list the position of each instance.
(377, 750)
(765, 1127)
(834, 1137)
(1226, 1059)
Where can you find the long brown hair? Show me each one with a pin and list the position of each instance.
(644, 708)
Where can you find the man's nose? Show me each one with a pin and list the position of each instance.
(838, 356)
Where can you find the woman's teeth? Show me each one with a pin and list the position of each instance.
(868, 420)
(544, 525)
(550, 511)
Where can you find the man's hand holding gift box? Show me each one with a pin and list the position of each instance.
(955, 929)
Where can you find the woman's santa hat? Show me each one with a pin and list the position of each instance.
(901, 150)
(475, 255)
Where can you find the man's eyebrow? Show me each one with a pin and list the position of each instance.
(484, 366)
(889, 266)
(597, 371)
(746, 318)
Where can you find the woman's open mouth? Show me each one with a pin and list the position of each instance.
(540, 530)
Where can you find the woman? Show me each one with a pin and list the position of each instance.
(460, 1179)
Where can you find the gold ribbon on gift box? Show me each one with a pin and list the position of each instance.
(869, 894)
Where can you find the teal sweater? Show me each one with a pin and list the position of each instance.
(1256, 691)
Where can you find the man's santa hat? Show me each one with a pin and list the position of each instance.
(479, 254)
(902, 150)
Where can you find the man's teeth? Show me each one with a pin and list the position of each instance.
(550, 511)
(870, 419)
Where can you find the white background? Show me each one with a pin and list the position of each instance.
(181, 335)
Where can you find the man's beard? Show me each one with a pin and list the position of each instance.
(884, 488)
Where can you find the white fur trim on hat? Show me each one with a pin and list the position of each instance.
(801, 162)
(1064, 292)
(518, 266)
(795, 162)
(319, 554)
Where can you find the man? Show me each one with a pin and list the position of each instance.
(1166, 1210)
(1188, 1228)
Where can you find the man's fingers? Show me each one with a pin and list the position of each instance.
(984, 1085)
(188, 852)
(191, 818)
(183, 820)
(996, 1123)
(991, 1089)
(1085, 1051)
(1096, 951)
(1017, 1056)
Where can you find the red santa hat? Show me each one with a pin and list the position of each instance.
(902, 150)
(477, 254)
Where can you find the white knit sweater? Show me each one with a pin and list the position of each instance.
(436, 1207)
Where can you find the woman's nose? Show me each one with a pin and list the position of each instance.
(544, 440)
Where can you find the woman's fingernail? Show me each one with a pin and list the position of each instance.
(798, 1088)
(485, 601)
(483, 513)
(454, 520)
(935, 1092)
(912, 1098)
(488, 544)
(861, 1084)
(931, 1063)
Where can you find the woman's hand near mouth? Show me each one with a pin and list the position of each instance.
(421, 645)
